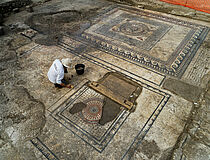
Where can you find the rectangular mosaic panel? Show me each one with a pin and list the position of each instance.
(159, 42)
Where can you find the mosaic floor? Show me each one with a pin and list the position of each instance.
(100, 139)
(164, 44)
(143, 46)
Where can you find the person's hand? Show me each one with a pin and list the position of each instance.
(69, 86)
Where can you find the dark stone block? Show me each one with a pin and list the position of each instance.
(1, 19)
(1, 31)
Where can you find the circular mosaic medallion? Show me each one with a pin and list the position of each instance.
(134, 29)
(93, 110)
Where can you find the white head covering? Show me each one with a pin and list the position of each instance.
(67, 62)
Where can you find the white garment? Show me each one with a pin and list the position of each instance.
(56, 72)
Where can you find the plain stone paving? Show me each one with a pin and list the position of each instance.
(150, 132)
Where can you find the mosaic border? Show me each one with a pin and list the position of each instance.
(79, 52)
(198, 69)
(37, 46)
(43, 149)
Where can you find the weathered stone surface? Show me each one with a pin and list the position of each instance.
(18, 26)
(205, 81)
(9, 152)
(187, 91)
(197, 151)
(11, 5)
(26, 115)
(148, 149)
(22, 117)
(194, 143)
(19, 41)
(167, 8)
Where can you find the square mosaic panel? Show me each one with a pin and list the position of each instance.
(159, 42)
(96, 135)
(133, 30)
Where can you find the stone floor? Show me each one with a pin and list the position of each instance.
(167, 55)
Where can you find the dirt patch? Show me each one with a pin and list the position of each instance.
(77, 107)
(47, 23)
(18, 41)
(149, 148)
(146, 148)
(110, 111)
(21, 115)
(53, 25)
(166, 154)
(185, 90)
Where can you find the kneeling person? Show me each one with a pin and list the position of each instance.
(57, 70)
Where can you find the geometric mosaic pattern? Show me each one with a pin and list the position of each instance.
(133, 30)
(96, 135)
(143, 36)
(82, 50)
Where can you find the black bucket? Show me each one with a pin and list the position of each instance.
(80, 68)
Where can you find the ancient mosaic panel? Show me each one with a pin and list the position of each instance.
(164, 44)
(85, 124)
(133, 30)
(84, 120)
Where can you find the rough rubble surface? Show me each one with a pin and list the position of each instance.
(171, 118)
